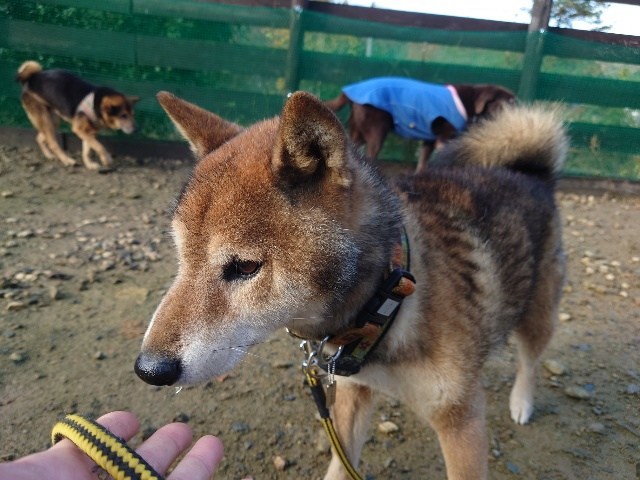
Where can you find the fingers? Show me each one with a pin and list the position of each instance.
(164, 446)
(64, 460)
(160, 450)
(123, 424)
(201, 462)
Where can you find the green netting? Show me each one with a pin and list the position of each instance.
(242, 61)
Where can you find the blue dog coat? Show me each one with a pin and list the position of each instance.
(413, 105)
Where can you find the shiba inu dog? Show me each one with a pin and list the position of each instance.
(48, 95)
(283, 224)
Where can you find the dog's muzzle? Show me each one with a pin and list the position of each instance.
(158, 370)
(129, 129)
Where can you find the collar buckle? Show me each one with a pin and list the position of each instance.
(387, 300)
(371, 323)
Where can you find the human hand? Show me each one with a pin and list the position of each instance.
(64, 461)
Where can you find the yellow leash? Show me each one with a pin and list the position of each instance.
(103, 447)
(355, 344)
(317, 391)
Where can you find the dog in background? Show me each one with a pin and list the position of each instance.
(48, 95)
(285, 224)
(417, 110)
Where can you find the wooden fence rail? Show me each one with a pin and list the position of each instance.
(242, 57)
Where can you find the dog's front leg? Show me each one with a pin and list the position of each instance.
(105, 157)
(86, 157)
(87, 133)
(91, 143)
(462, 433)
(351, 414)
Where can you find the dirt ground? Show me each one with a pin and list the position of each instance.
(85, 258)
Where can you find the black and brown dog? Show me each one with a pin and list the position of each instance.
(48, 95)
(423, 111)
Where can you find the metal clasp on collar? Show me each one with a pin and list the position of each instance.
(316, 363)
(321, 392)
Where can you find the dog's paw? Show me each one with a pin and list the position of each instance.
(48, 154)
(107, 161)
(521, 414)
(90, 164)
(521, 408)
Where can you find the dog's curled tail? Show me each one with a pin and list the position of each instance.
(526, 138)
(337, 103)
(27, 69)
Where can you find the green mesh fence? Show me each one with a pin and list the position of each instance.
(242, 61)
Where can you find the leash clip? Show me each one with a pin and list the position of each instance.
(315, 374)
(316, 363)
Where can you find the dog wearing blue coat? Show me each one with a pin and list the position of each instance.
(429, 112)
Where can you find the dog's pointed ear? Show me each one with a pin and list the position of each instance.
(133, 100)
(311, 143)
(204, 130)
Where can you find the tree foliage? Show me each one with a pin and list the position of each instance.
(565, 12)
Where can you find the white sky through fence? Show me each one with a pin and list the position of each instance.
(623, 19)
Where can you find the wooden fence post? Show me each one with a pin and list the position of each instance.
(296, 39)
(534, 49)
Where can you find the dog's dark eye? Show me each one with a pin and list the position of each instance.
(241, 269)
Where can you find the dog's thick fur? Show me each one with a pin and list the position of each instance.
(49, 95)
(285, 225)
(369, 125)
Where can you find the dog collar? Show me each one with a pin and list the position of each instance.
(459, 105)
(86, 107)
(373, 321)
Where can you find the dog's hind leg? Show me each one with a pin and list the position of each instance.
(44, 122)
(535, 332)
(42, 142)
(374, 145)
(370, 125)
(351, 414)
(426, 149)
(374, 135)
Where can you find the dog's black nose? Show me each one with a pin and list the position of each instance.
(157, 370)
